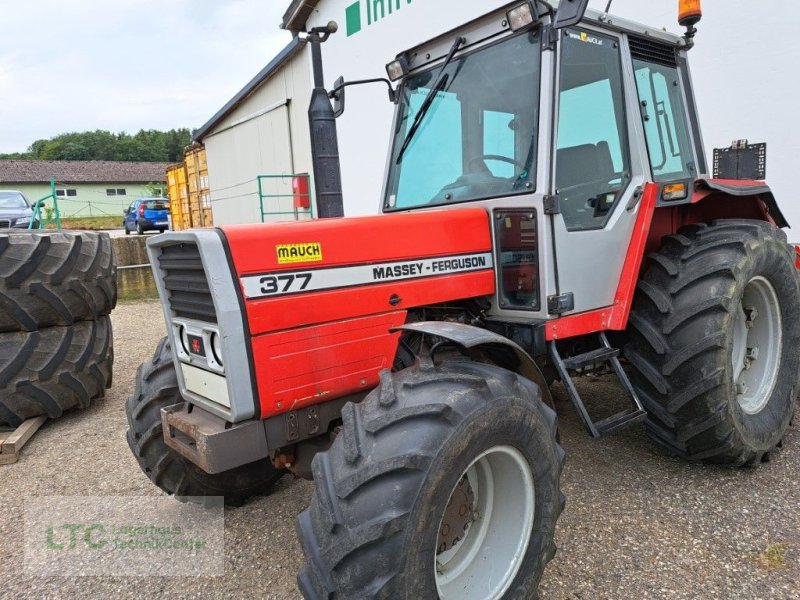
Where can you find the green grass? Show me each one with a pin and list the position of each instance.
(91, 223)
(774, 557)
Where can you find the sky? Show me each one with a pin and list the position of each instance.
(126, 65)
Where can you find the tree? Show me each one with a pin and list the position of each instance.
(147, 145)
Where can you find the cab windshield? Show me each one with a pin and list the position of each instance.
(478, 138)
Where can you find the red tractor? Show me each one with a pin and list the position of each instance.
(547, 211)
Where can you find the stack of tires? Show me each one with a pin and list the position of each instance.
(56, 345)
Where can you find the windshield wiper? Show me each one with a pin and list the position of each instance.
(441, 82)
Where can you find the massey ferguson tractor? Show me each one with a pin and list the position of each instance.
(547, 212)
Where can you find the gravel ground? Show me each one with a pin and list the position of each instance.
(638, 523)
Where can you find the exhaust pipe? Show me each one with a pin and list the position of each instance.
(324, 137)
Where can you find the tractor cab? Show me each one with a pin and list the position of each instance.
(556, 130)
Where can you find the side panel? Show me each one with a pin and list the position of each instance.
(322, 296)
(614, 317)
(308, 365)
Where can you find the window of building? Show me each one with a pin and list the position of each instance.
(67, 192)
(111, 192)
(121, 192)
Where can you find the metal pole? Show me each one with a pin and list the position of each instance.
(260, 199)
(55, 202)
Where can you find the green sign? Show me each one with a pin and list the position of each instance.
(368, 12)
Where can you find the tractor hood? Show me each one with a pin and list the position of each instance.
(298, 274)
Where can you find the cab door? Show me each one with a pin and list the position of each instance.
(599, 167)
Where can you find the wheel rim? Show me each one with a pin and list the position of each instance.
(493, 505)
(757, 345)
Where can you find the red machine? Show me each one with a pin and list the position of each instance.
(547, 213)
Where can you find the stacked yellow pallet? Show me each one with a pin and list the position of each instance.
(189, 196)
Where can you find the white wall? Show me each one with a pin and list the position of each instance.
(251, 142)
(745, 70)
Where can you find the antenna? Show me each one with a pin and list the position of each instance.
(608, 7)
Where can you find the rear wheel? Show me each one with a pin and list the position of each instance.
(139, 228)
(127, 231)
(443, 483)
(712, 341)
(156, 388)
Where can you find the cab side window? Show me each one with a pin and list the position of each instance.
(663, 112)
(592, 158)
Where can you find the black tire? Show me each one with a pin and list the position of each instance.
(125, 225)
(156, 388)
(139, 228)
(381, 490)
(51, 371)
(682, 340)
(55, 279)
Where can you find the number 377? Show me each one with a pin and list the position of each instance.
(284, 284)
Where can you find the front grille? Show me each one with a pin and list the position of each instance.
(654, 52)
(186, 283)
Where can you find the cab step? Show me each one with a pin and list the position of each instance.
(605, 354)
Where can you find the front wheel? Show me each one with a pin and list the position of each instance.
(713, 341)
(444, 483)
(157, 388)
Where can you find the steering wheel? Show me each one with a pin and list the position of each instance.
(474, 165)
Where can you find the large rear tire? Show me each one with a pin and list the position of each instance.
(156, 388)
(55, 279)
(56, 369)
(719, 380)
(444, 482)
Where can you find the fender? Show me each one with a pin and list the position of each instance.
(741, 189)
(473, 338)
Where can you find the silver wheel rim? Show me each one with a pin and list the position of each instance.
(757, 345)
(493, 505)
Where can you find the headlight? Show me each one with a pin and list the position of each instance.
(23, 221)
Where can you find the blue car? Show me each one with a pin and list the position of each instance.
(146, 214)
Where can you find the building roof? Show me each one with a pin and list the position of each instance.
(81, 171)
(295, 17)
(274, 65)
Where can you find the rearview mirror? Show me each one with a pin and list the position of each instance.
(338, 97)
(570, 12)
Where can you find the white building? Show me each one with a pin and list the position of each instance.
(743, 67)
